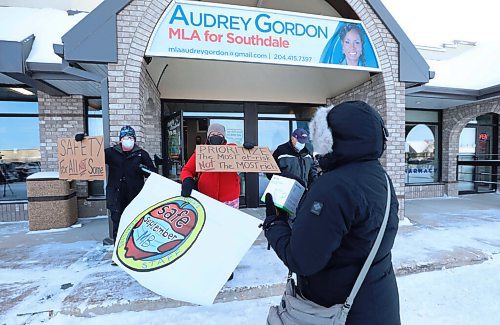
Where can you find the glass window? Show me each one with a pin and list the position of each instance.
(94, 126)
(7, 107)
(19, 148)
(422, 160)
(477, 143)
(235, 130)
(421, 116)
(272, 133)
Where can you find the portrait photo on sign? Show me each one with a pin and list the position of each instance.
(349, 45)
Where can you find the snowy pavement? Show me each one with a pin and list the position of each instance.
(57, 275)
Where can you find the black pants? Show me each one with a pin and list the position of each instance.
(115, 217)
(123, 200)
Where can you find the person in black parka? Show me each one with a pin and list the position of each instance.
(125, 175)
(339, 218)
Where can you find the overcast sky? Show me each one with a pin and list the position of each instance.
(433, 22)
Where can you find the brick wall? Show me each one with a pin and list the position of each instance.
(424, 191)
(385, 94)
(59, 117)
(13, 211)
(133, 96)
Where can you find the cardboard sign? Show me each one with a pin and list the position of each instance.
(182, 248)
(81, 160)
(234, 159)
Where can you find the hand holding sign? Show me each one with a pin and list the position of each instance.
(81, 160)
(234, 159)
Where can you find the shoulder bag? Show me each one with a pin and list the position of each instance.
(297, 310)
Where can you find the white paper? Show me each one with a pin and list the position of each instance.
(286, 193)
(198, 274)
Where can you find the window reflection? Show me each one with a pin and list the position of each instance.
(19, 148)
(420, 149)
(272, 133)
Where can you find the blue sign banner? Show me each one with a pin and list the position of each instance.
(202, 30)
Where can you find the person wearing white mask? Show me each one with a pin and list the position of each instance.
(125, 161)
(294, 158)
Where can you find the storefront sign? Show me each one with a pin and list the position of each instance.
(214, 31)
(183, 248)
(234, 159)
(483, 137)
(81, 160)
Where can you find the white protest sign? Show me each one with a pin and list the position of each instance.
(182, 248)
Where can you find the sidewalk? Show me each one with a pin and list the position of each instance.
(68, 271)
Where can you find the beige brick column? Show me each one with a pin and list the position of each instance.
(384, 93)
(60, 117)
(133, 96)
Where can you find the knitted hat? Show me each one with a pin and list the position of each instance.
(127, 130)
(216, 127)
(301, 135)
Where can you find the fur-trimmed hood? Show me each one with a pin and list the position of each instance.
(351, 131)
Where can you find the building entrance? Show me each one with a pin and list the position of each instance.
(478, 161)
(185, 124)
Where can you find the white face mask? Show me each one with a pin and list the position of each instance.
(128, 144)
(299, 146)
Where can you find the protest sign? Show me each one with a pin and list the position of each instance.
(183, 248)
(234, 159)
(81, 160)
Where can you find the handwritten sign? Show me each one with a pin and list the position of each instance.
(81, 160)
(234, 159)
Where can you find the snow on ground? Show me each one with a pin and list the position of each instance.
(44, 271)
(448, 233)
(466, 295)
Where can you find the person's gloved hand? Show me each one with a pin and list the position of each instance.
(142, 169)
(79, 136)
(248, 145)
(270, 207)
(188, 184)
(158, 160)
(273, 213)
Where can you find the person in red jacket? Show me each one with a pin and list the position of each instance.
(221, 186)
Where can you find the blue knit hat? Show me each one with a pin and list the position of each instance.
(127, 130)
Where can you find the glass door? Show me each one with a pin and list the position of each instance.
(174, 158)
(477, 159)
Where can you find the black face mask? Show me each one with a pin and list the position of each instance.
(216, 139)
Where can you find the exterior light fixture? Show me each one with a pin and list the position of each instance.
(22, 91)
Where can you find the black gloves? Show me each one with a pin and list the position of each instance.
(158, 160)
(248, 145)
(270, 208)
(79, 136)
(273, 213)
(188, 184)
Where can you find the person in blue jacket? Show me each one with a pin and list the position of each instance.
(339, 218)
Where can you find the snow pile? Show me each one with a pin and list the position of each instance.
(48, 26)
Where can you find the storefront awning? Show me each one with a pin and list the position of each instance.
(27, 38)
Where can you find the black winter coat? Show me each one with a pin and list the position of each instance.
(125, 176)
(338, 221)
(301, 164)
